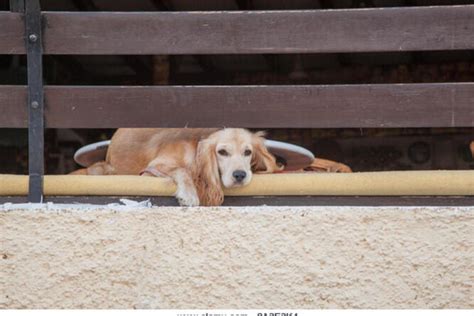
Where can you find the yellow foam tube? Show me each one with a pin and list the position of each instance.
(364, 183)
(90, 185)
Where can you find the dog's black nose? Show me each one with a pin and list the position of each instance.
(239, 175)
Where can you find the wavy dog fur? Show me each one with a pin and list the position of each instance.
(200, 161)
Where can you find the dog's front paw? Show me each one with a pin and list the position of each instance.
(187, 199)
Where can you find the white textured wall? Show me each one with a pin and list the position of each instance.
(300, 257)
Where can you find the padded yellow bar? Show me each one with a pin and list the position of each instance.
(364, 183)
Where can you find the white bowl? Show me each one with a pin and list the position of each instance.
(292, 156)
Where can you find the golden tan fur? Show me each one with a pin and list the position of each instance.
(193, 158)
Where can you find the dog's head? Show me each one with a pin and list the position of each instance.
(228, 158)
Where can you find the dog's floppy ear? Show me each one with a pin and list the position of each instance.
(206, 175)
(262, 160)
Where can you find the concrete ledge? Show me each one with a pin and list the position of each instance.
(298, 257)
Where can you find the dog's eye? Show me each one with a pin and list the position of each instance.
(247, 152)
(223, 152)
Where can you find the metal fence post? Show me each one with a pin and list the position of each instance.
(17, 5)
(35, 100)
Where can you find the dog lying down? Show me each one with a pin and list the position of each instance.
(199, 161)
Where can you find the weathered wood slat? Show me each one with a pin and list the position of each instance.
(12, 33)
(329, 106)
(13, 106)
(257, 32)
(253, 32)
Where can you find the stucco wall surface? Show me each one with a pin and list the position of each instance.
(259, 257)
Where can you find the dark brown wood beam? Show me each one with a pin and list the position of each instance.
(12, 40)
(254, 32)
(305, 106)
(258, 32)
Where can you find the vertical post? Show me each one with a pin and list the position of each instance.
(17, 5)
(35, 100)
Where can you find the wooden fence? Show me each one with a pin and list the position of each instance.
(239, 32)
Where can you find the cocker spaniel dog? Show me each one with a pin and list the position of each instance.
(200, 161)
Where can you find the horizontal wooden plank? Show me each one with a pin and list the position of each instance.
(272, 200)
(252, 32)
(14, 112)
(328, 106)
(257, 32)
(12, 33)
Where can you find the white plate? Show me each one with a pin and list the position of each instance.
(292, 156)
